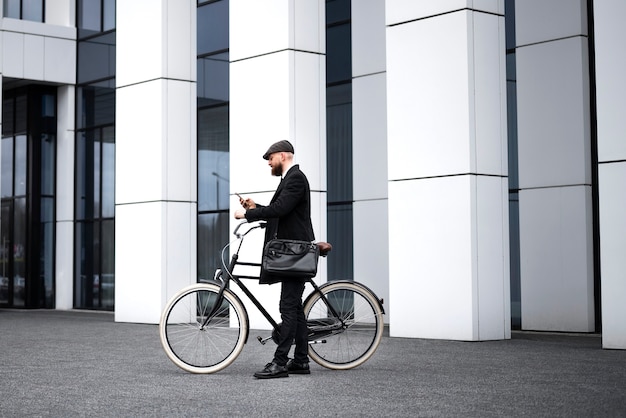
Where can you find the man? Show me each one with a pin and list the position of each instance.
(288, 216)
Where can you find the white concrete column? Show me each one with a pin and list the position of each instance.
(64, 263)
(369, 148)
(611, 108)
(448, 187)
(277, 91)
(155, 136)
(554, 159)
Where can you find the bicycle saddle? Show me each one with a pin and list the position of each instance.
(325, 248)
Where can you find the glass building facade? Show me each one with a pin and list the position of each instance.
(46, 101)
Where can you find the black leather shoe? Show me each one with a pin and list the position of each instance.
(298, 368)
(271, 371)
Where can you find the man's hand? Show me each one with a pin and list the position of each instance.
(240, 214)
(247, 203)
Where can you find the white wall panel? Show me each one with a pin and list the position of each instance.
(59, 60)
(371, 248)
(612, 179)
(143, 46)
(368, 37)
(398, 11)
(540, 20)
(64, 255)
(556, 259)
(156, 169)
(180, 39)
(610, 58)
(427, 76)
(157, 262)
(13, 54)
(448, 261)
(60, 12)
(139, 133)
(369, 137)
(266, 24)
(487, 69)
(259, 113)
(553, 114)
(431, 272)
(33, 57)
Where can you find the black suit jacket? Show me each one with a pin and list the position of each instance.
(288, 215)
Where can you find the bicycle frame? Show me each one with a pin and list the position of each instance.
(234, 261)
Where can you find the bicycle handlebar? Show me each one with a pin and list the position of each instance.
(261, 224)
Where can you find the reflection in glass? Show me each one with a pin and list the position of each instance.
(32, 10)
(338, 53)
(339, 143)
(213, 159)
(212, 235)
(19, 186)
(96, 58)
(7, 167)
(11, 9)
(89, 15)
(19, 252)
(212, 26)
(108, 172)
(5, 253)
(213, 79)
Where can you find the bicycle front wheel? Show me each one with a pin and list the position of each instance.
(197, 344)
(356, 341)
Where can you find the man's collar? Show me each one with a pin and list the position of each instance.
(286, 169)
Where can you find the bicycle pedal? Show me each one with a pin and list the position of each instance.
(263, 340)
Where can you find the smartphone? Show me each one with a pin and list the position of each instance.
(239, 196)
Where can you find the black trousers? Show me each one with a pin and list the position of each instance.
(293, 324)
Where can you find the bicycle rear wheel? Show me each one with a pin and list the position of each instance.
(362, 317)
(198, 347)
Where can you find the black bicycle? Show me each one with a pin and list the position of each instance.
(204, 326)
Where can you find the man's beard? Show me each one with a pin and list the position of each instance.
(277, 170)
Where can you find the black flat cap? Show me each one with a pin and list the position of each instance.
(280, 146)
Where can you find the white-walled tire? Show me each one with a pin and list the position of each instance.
(197, 347)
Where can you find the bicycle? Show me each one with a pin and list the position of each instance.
(204, 326)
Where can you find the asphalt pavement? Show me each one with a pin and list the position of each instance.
(83, 364)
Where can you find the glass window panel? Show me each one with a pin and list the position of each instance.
(96, 104)
(46, 249)
(96, 58)
(213, 234)
(89, 15)
(47, 164)
(7, 167)
(107, 268)
(108, 172)
(212, 25)
(5, 253)
(87, 286)
(47, 209)
(19, 252)
(338, 54)
(339, 149)
(80, 170)
(32, 10)
(340, 233)
(337, 10)
(95, 185)
(12, 9)
(7, 116)
(20, 114)
(109, 15)
(213, 80)
(20, 165)
(213, 159)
